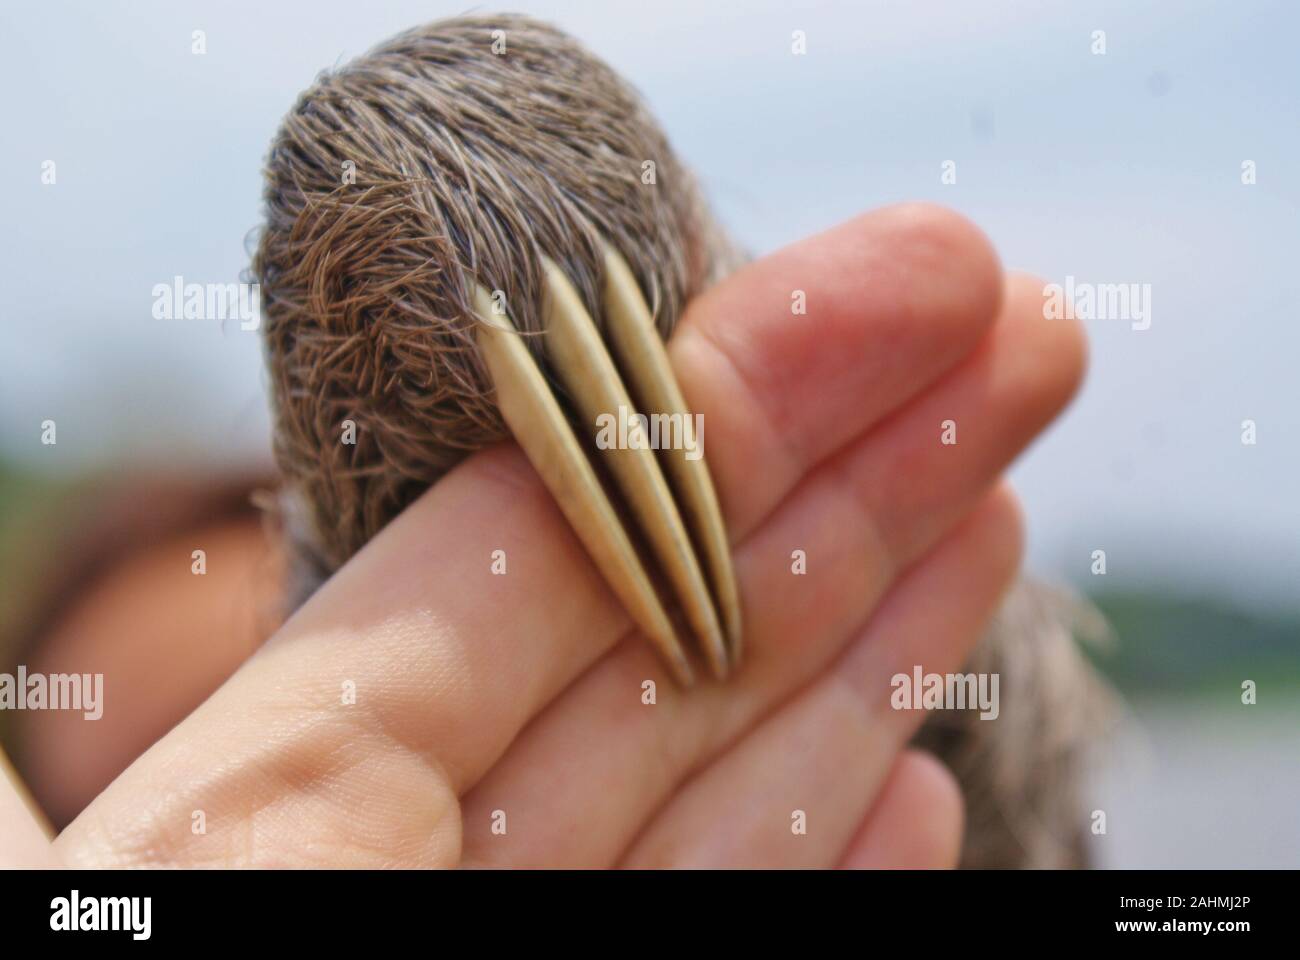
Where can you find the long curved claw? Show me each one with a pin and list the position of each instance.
(675, 519)
(541, 429)
(644, 361)
(584, 366)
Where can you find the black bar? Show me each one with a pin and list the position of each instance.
(330, 909)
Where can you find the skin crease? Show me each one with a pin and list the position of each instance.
(522, 693)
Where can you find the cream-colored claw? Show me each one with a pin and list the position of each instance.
(594, 384)
(644, 360)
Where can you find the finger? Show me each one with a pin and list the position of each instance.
(894, 299)
(820, 759)
(505, 663)
(861, 516)
(448, 661)
(916, 823)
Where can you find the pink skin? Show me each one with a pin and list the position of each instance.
(523, 693)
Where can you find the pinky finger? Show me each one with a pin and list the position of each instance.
(916, 822)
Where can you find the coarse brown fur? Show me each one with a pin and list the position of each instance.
(469, 165)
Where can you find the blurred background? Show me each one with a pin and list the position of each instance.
(1117, 167)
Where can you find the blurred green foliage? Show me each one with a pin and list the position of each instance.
(23, 496)
(1169, 644)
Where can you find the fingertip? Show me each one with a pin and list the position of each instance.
(1006, 517)
(1060, 345)
(917, 821)
(934, 789)
(938, 242)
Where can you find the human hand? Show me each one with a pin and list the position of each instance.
(522, 693)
